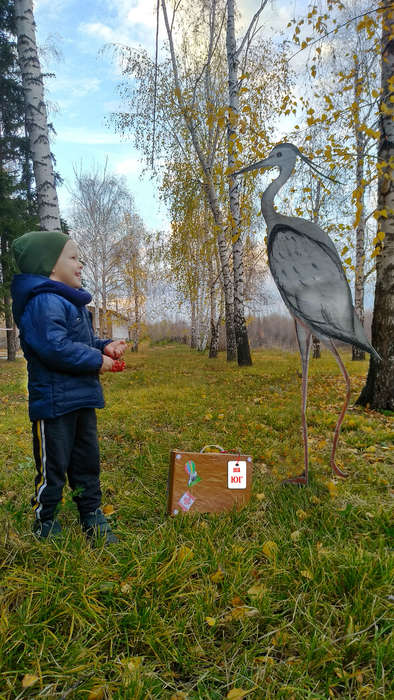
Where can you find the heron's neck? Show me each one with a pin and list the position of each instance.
(267, 199)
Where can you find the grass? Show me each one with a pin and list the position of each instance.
(198, 606)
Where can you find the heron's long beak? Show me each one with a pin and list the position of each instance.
(260, 165)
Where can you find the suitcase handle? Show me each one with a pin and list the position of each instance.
(206, 447)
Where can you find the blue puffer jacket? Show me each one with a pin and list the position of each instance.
(63, 355)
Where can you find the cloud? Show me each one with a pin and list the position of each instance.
(124, 24)
(275, 15)
(129, 166)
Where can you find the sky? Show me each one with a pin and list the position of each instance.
(82, 94)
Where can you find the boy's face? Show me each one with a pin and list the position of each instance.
(68, 266)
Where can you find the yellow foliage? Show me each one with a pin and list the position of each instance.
(270, 549)
(28, 680)
(211, 621)
(97, 693)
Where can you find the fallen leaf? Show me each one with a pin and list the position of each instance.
(332, 488)
(260, 496)
(217, 576)
(185, 553)
(257, 590)
(28, 680)
(221, 416)
(238, 693)
(180, 695)
(211, 621)
(97, 693)
(236, 600)
(295, 536)
(315, 500)
(240, 612)
(264, 660)
(270, 549)
(208, 416)
(108, 510)
(134, 663)
(301, 514)
(307, 574)
(125, 588)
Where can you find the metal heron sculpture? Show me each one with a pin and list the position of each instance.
(309, 275)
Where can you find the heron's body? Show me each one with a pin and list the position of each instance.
(308, 272)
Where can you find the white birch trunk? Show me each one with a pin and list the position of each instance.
(241, 333)
(36, 117)
(359, 278)
(379, 389)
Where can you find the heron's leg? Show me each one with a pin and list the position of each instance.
(304, 337)
(342, 367)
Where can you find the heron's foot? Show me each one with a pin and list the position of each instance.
(338, 472)
(301, 480)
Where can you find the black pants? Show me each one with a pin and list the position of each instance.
(63, 447)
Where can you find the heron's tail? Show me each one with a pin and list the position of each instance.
(362, 341)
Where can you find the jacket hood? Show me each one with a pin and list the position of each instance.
(25, 286)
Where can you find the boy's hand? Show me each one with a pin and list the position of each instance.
(107, 364)
(115, 349)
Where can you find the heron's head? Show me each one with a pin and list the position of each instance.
(282, 156)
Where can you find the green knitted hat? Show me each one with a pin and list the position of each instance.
(38, 251)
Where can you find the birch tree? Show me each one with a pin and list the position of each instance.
(233, 60)
(132, 275)
(36, 116)
(379, 388)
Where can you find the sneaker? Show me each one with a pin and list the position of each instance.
(96, 526)
(47, 529)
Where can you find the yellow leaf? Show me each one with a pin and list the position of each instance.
(185, 553)
(97, 693)
(125, 587)
(295, 536)
(270, 549)
(332, 488)
(307, 574)
(28, 680)
(257, 590)
(211, 621)
(221, 416)
(238, 693)
(217, 576)
(260, 496)
(134, 663)
(208, 416)
(301, 514)
(264, 660)
(180, 695)
(108, 510)
(240, 612)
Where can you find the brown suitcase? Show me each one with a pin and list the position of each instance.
(208, 482)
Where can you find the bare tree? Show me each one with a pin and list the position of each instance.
(100, 200)
(36, 117)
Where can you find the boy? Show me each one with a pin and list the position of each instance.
(64, 359)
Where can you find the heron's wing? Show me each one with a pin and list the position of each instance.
(312, 282)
